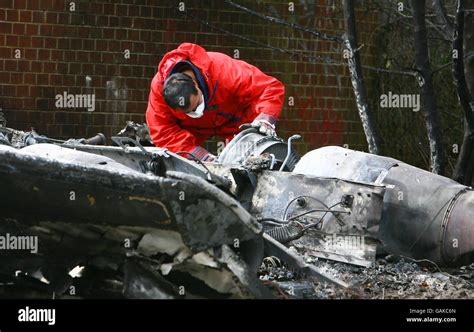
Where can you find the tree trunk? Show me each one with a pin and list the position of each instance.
(464, 166)
(357, 78)
(430, 110)
(442, 19)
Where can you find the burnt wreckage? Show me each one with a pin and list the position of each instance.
(172, 227)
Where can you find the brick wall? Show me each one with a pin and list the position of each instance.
(47, 48)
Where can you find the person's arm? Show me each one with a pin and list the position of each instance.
(265, 94)
(165, 131)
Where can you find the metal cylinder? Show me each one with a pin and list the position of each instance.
(252, 143)
(425, 216)
(98, 139)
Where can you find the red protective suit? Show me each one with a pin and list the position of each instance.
(237, 93)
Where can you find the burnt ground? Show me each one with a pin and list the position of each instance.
(391, 277)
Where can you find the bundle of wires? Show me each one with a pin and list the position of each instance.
(290, 229)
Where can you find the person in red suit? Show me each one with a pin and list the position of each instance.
(197, 94)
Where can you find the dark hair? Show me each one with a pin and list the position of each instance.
(177, 89)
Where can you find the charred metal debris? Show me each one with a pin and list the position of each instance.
(136, 221)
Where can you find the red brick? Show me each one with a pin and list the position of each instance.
(50, 42)
(16, 78)
(138, 47)
(102, 21)
(68, 80)
(121, 10)
(46, 30)
(63, 18)
(4, 77)
(25, 16)
(82, 56)
(62, 67)
(33, 4)
(76, 43)
(6, 28)
(36, 66)
(47, 4)
(59, 31)
(88, 69)
(108, 33)
(95, 33)
(63, 43)
(31, 29)
(74, 68)
(6, 4)
(16, 103)
(53, 130)
(109, 8)
(12, 15)
(114, 46)
(88, 44)
(38, 16)
(112, 70)
(125, 71)
(95, 57)
(42, 79)
(6, 52)
(49, 67)
(69, 56)
(24, 66)
(11, 40)
(9, 90)
(108, 57)
(29, 103)
(56, 80)
(29, 78)
(100, 69)
(44, 54)
(37, 42)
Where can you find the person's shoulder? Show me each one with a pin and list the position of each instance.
(219, 56)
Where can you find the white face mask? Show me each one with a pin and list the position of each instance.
(198, 112)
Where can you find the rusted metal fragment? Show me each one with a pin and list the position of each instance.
(275, 248)
(54, 189)
(355, 250)
(143, 282)
(219, 271)
(82, 206)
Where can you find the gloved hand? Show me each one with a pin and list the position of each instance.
(202, 154)
(264, 127)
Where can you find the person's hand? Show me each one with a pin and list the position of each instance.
(264, 127)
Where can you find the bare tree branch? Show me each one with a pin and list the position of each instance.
(443, 19)
(296, 26)
(357, 78)
(392, 71)
(450, 64)
(268, 46)
(463, 171)
(430, 111)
